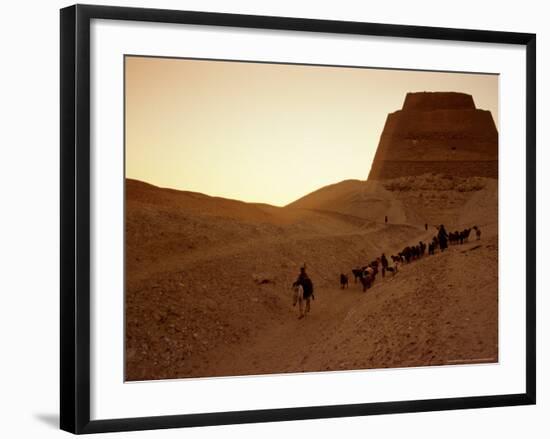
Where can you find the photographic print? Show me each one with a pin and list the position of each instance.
(286, 218)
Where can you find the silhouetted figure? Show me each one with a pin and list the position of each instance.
(386, 219)
(478, 232)
(407, 254)
(442, 237)
(384, 262)
(426, 227)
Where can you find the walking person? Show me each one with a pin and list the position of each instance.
(384, 262)
(442, 237)
(478, 232)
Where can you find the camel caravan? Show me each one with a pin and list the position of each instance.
(366, 274)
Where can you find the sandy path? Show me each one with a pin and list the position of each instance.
(287, 346)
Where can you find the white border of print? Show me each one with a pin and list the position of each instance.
(112, 398)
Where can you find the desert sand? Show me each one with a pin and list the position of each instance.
(208, 279)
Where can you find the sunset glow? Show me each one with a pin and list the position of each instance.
(267, 133)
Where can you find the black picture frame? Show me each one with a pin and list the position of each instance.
(75, 217)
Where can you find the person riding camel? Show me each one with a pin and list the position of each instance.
(307, 291)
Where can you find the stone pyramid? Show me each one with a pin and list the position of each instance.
(439, 132)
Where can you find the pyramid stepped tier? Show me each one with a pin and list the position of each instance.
(440, 133)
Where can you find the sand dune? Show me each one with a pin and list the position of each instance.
(208, 280)
(366, 199)
(415, 200)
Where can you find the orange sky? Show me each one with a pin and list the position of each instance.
(266, 132)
